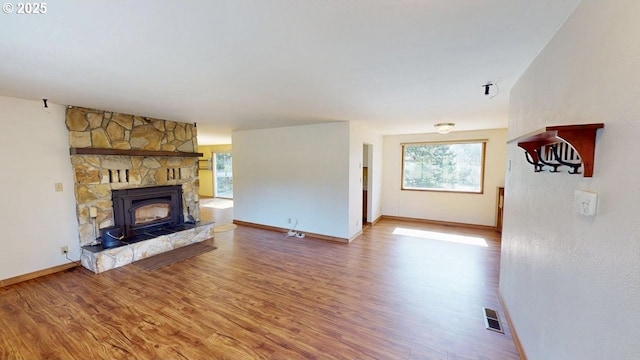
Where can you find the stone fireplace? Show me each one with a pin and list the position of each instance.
(123, 162)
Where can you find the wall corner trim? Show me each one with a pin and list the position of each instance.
(514, 333)
(284, 231)
(36, 274)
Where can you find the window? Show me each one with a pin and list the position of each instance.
(450, 166)
(223, 183)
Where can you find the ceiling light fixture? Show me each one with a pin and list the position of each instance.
(444, 128)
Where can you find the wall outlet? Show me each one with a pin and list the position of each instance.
(58, 187)
(584, 202)
(64, 250)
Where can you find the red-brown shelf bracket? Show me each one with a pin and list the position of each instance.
(582, 138)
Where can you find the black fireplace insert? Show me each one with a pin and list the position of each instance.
(144, 213)
(145, 209)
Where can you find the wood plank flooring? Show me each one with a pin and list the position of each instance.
(261, 295)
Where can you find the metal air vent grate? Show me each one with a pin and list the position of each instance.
(492, 320)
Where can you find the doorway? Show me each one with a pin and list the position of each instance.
(367, 172)
(222, 175)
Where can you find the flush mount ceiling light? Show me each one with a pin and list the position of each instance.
(444, 128)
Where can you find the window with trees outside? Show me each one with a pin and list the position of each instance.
(457, 167)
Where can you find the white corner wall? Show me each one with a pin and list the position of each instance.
(299, 172)
(477, 209)
(36, 220)
(572, 283)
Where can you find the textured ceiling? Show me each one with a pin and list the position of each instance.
(398, 66)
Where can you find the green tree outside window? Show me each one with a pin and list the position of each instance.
(443, 167)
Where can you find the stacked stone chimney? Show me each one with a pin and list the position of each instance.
(97, 175)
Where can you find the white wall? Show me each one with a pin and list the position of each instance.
(478, 209)
(570, 282)
(36, 220)
(299, 172)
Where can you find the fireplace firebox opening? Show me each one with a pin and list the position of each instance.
(142, 213)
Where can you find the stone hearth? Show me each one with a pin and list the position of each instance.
(98, 260)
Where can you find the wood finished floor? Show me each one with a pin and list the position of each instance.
(261, 295)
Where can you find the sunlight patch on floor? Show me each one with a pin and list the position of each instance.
(217, 203)
(432, 235)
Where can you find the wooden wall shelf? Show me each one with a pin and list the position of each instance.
(582, 138)
(131, 152)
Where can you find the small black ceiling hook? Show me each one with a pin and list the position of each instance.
(486, 88)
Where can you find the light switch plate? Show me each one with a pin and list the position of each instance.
(585, 202)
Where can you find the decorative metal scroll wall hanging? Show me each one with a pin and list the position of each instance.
(554, 156)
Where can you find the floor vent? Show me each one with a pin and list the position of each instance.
(492, 320)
